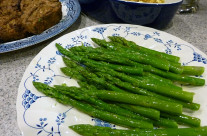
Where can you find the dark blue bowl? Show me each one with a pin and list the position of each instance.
(150, 14)
(85, 1)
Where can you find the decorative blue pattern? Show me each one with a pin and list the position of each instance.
(44, 71)
(100, 30)
(102, 123)
(28, 99)
(60, 118)
(72, 10)
(199, 58)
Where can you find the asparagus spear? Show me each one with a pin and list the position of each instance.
(143, 49)
(81, 94)
(156, 80)
(89, 75)
(181, 95)
(193, 70)
(147, 112)
(147, 68)
(125, 85)
(159, 78)
(72, 70)
(183, 119)
(145, 59)
(88, 109)
(146, 101)
(120, 68)
(161, 122)
(77, 73)
(127, 70)
(129, 87)
(83, 129)
(176, 94)
(174, 67)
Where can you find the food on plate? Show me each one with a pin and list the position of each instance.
(149, 1)
(121, 84)
(89, 130)
(22, 18)
(39, 15)
(10, 21)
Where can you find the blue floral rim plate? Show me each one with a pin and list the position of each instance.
(39, 115)
(71, 11)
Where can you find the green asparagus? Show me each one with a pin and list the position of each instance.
(183, 119)
(88, 109)
(106, 131)
(146, 101)
(143, 49)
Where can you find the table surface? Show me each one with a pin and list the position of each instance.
(189, 27)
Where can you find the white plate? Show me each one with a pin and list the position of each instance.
(40, 115)
(70, 12)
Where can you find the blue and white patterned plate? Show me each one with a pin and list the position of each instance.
(41, 115)
(70, 10)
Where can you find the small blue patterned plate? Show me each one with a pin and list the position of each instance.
(71, 11)
(38, 115)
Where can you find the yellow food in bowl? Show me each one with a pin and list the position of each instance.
(149, 1)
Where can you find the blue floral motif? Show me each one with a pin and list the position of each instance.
(86, 44)
(136, 33)
(156, 33)
(199, 58)
(147, 36)
(42, 126)
(28, 99)
(115, 34)
(42, 123)
(168, 51)
(100, 30)
(76, 40)
(48, 80)
(158, 40)
(169, 43)
(68, 46)
(117, 28)
(178, 46)
(102, 123)
(37, 65)
(127, 29)
(35, 77)
(83, 37)
(60, 118)
(51, 60)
